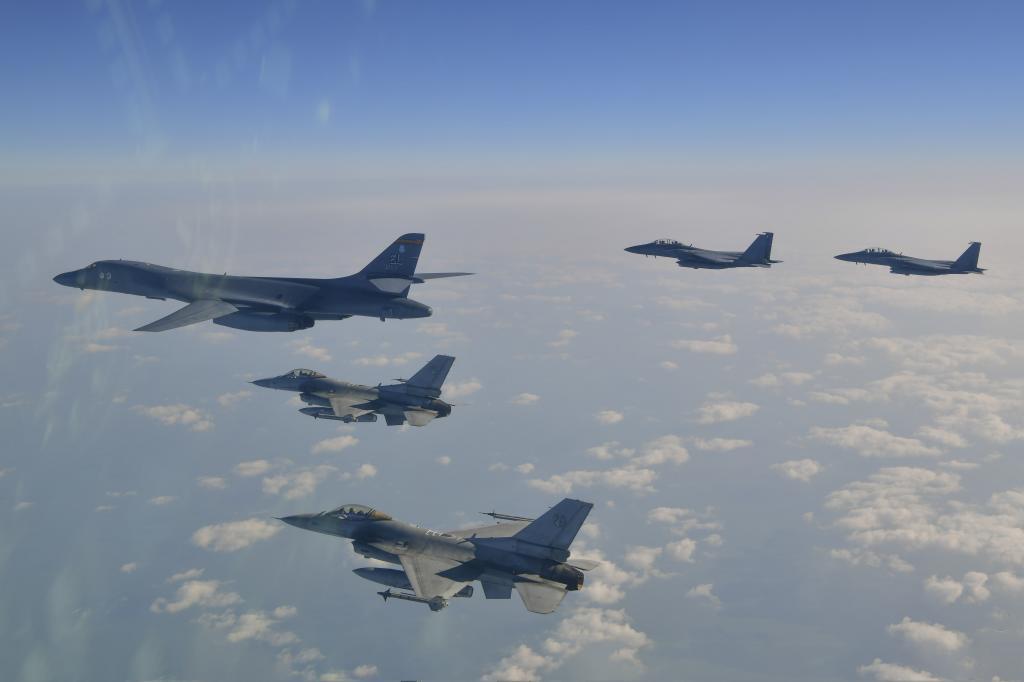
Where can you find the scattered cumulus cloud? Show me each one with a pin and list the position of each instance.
(727, 411)
(890, 672)
(704, 592)
(388, 360)
(305, 348)
(234, 535)
(869, 441)
(799, 469)
(525, 399)
(177, 414)
(929, 635)
(460, 389)
(255, 467)
(201, 593)
(336, 444)
(722, 345)
(232, 399)
(609, 417)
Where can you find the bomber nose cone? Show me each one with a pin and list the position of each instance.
(66, 279)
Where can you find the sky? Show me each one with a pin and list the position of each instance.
(808, 472)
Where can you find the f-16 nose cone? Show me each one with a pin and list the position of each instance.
(263, 383)
(297, 520)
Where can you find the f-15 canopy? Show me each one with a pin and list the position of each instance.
(304, 373)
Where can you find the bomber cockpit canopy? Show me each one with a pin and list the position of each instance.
(304, 374)
(359, 511)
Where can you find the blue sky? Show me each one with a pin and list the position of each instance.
(580, 77)
(808, 472)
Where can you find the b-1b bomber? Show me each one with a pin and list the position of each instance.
(529, 555)
(269, 304)
(416, 400)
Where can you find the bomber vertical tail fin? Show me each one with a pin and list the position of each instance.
(558, 526)
(398, 260)
(968, 260)
(760, 250)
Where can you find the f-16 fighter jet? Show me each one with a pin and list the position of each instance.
(415, 400)
(908, 265)
(269, 304)
(531, 556)
(757, 255)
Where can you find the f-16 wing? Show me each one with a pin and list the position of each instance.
(343, 406)
(193, 313)
(396, 415)
(423, 575)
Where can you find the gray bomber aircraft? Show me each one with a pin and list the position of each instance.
(416, 400)
(269, 304)
(757, 255)
(530, 555)
(908, 265)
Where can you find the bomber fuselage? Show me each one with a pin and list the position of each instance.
(324, 299)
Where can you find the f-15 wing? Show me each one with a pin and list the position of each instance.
(193, 313)
(917, 265)
(423, 575)
(706, 257)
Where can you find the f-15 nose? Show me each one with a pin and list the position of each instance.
(633, 249)
(845, 256)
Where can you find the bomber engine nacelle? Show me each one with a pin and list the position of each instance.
(265, 322)
(571, 577)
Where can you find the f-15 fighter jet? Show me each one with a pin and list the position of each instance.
(269, 304)
(415, 400)
(908, 265)
(530, 556)
(757, 255)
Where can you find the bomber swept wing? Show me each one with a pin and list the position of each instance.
(193, 313)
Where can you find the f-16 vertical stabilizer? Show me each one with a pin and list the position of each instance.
(558, 526)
